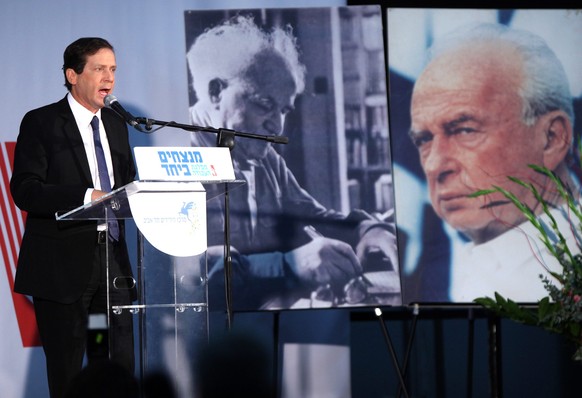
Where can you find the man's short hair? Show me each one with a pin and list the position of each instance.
(226, 51)
(76, 53)
(545, 87)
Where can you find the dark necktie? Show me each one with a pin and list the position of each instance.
(112, 225)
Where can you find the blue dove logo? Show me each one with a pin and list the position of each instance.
(186, 207)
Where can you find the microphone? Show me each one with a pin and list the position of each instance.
(111, 102)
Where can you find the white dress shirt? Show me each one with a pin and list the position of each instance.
(83, 118)
(510, 264)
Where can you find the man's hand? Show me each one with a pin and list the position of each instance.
(376, 247)
(323, 261)
(96, 194)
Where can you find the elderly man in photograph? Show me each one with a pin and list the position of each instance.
(491, 102)
(251, 87)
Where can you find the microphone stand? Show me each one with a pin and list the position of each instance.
(229, 141)
(224, 138)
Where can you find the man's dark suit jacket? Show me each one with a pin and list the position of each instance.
(51, 173)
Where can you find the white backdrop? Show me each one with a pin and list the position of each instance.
(149, 39)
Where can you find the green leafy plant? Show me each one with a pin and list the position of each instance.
(561, 310)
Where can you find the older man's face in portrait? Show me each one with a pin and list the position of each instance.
(467, 125)
(258, 102)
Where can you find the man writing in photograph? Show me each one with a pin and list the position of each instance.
(489, 103)
(251, 86)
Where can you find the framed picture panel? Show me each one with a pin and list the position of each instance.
(476, 96)
(314, 225)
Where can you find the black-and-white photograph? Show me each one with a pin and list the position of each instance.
(314, 224)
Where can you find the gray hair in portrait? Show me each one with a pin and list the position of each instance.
(231, 50)
(545, 86)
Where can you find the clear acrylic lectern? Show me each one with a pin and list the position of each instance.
(171, 313)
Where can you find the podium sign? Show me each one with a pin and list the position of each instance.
(176, 210)
(184, 163)
(169, 210)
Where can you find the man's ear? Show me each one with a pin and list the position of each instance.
(71, 76)
(557, 130)
(215, 87)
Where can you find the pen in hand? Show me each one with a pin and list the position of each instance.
(314, 233)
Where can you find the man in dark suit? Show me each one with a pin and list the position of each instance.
(62, 265)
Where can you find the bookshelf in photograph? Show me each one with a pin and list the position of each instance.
(365, 109)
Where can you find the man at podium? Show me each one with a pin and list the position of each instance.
(68, 154)
(288, 250)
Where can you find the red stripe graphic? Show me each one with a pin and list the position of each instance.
(10, 239)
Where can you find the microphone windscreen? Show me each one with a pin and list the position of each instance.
(109, 99)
